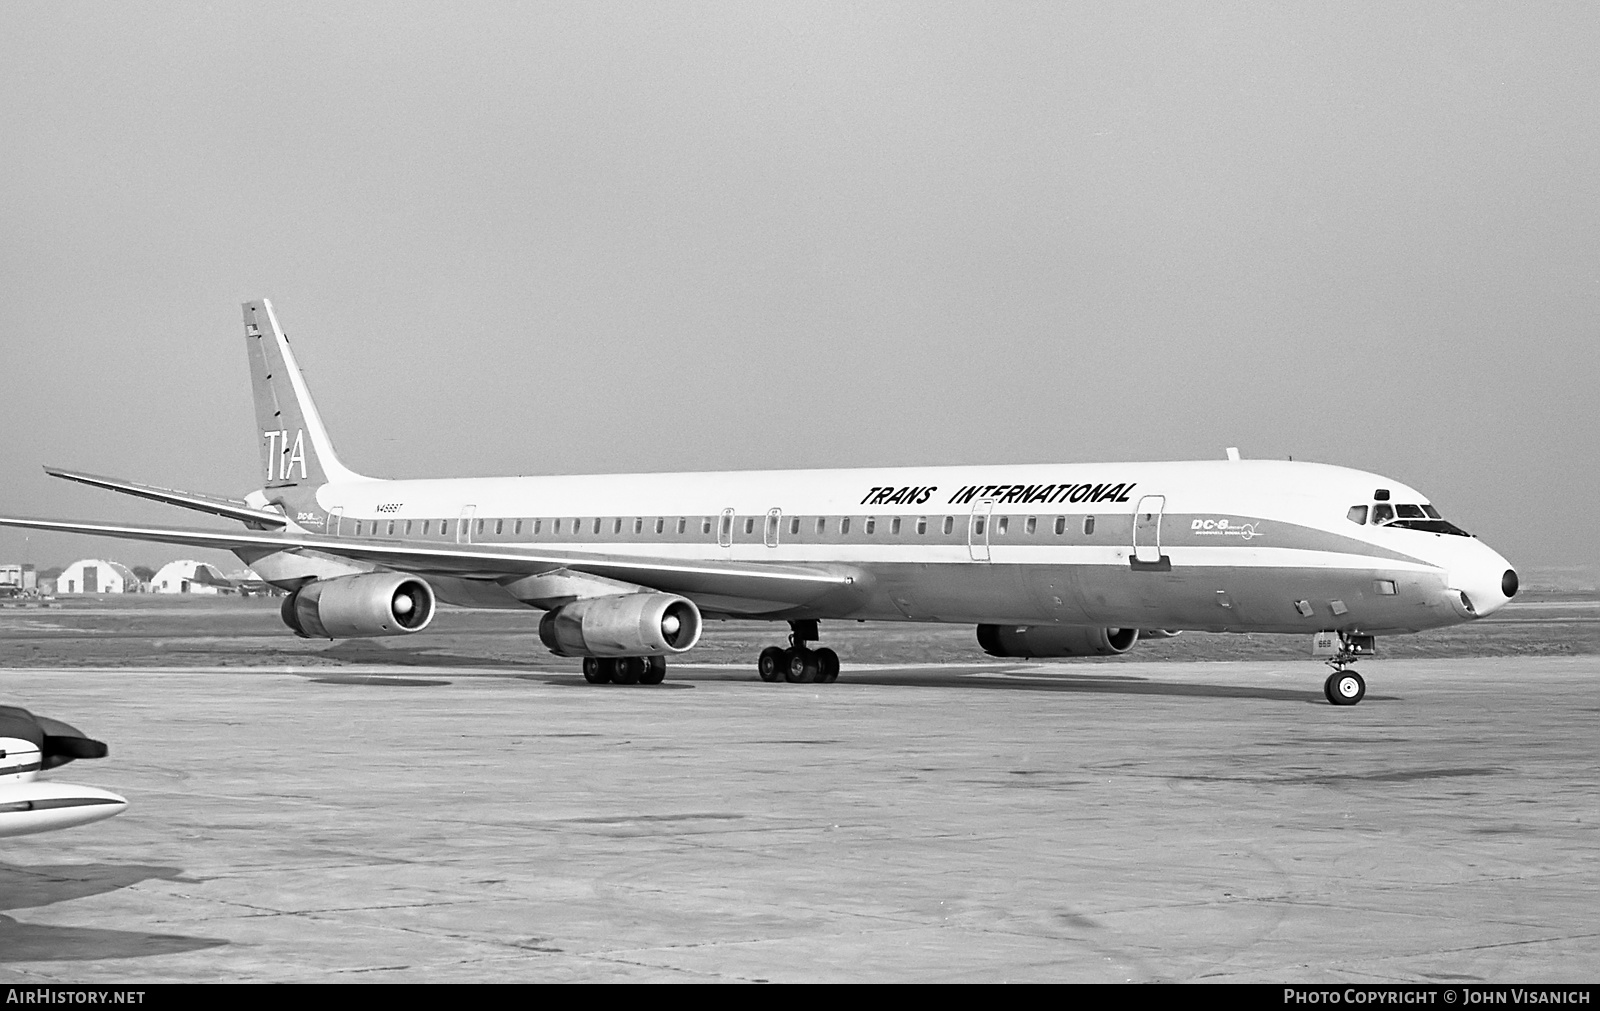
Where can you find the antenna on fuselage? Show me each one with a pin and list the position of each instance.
(1233, 453)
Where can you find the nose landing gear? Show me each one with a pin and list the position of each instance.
(798, 664)
(1344, 687)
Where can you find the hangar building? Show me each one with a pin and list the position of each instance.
(96, 575)
(187, 576)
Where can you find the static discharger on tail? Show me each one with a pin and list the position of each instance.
(1047, 560)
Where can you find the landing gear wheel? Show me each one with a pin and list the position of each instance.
(803, 667)
(1344, 688)
(597, 671)
(772, 664)
(827, 666)
(655, 671)
(629, 670)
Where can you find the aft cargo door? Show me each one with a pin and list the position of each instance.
(1147, 529)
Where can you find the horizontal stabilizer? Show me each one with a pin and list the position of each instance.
(214, 504)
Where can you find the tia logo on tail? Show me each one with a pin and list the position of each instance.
(285, 459)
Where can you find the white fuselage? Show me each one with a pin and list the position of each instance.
(1221, 545)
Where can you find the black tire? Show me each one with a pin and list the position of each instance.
(1344, 688)
(827, 666)
(801, 668)
(597, 671)
(629, 670)
(771, 664)
(655, 671)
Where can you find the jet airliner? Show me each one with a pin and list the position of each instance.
(1046, 560)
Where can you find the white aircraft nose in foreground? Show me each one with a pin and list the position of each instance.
(30, 744)
(1047, 560)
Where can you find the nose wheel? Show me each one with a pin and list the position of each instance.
(1344, 688)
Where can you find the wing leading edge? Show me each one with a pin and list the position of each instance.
(797, 584)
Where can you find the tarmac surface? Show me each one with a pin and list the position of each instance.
(952, 822)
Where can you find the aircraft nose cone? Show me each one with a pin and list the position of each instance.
(1483, 588)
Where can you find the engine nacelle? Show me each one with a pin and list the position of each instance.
(1049, 640)
(355, 607)
(628, 624)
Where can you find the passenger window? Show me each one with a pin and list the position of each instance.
(871, 524)
(425, 527)
(480, 526)
(1031, 522)
(949, 523)
(1088, 525)
(391, 528)
(683, 524)
(1357, 514)
(616, 525)
(844, 525)
(977, 527)
(408, 528)
(516, 529)
(444, 528)
(536, 525)
(794, 525)
(1001, 524)
(1061, 525)
(638, 525)
(894, 526)
(705, 525)
(595, 526)
(822, 524)
(555, 527)
(749, 524)
(1382, 513)
(499, 527)
(922, 525)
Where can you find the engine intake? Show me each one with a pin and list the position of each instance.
(355, 607)
(1049, 640)
(629, 624)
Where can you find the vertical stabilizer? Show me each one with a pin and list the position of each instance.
(297, 456)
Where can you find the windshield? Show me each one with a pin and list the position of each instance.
(1408, 515)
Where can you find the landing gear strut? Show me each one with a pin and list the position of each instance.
(799, 664)
(1344, 687)
(624, 670)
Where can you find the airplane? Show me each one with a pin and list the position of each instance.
(30, 743)
(1046, 560)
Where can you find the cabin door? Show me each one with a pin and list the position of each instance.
(464, 534)
(1147, 528)
(336, 520)
(978, 529)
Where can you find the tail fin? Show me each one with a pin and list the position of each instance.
(297, 456)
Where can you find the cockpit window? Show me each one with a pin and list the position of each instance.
(1415, 517)
(1357, 514)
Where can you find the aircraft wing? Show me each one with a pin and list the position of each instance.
(795, 583)
(230, 508)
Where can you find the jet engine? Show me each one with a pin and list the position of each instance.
(628, 624)
(1049, 640)
(353, 607)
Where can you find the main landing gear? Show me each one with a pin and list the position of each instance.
(799, 665)
(1344, 686)
(624, 670)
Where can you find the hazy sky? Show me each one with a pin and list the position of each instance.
(544, 238)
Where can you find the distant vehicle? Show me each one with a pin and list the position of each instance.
(30, 744)
(8, 590)
(1054, 560)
